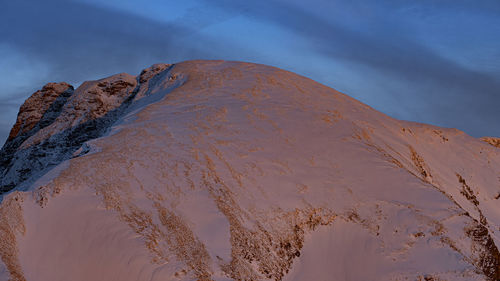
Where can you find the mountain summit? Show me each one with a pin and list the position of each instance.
(214, 170)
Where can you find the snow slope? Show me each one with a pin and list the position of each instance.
(214, 170)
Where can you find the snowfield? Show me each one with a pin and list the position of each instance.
(215, 170)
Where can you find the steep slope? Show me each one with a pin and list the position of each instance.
(53, 123)
(37, 112)
(213, 170)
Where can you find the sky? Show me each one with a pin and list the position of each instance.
(431, 61)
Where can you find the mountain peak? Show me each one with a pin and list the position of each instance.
(215, 170)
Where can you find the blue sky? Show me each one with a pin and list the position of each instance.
(429, 61)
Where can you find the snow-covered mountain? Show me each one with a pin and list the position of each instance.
(214, 170)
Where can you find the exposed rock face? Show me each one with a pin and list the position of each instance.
(493, 141)
(213, 170)
(38, 111)
(91, 105)
(487, 256)
(55, 121)
(150, 77)
(45, 103)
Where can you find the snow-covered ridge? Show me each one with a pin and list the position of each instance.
(234, 171)
(55, 121)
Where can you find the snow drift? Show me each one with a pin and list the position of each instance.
(214, 170)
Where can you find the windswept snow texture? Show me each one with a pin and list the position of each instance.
(214, 170)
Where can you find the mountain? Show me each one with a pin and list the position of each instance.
(214, 170)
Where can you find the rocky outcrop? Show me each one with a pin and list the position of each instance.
(44, 104)
(146, 75)
(38, 111)
(92, 102)
(487, 256)
(55, 121)
(493, 141)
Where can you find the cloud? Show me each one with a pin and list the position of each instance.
(63, 40)
(80, 39)
(376, 41)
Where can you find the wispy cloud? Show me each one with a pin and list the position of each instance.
(75, 41)
(449, 93)
(76, 38)
(379, 42)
